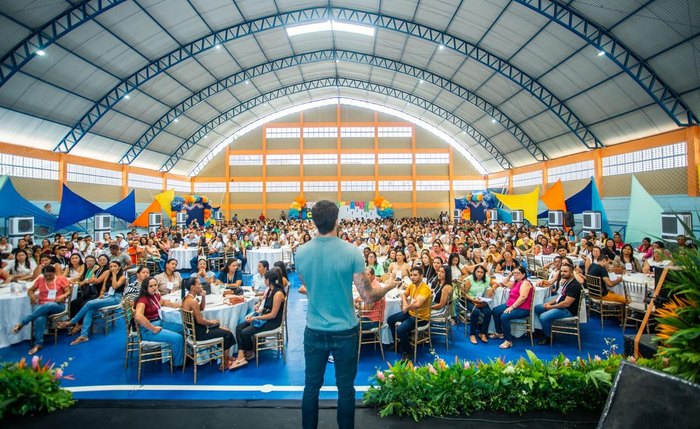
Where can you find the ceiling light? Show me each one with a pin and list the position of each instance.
(601, 53)
(493, 120)
(247, 82)
(41, 53)
(330, 26)
(420, 81)
(175, 120)
(127, 96)
(337, 61)
(218, 46)
(442, 47)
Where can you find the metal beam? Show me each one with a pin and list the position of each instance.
(631, 63)
(579, 129)
(334, 83)
(40, 39)
(332, 55)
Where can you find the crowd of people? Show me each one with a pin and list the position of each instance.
(434, 259)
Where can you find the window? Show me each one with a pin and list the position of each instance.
(351, 132)
(658, 158)
(320, 159)
(579, 170)
(98, 176)
(246, 187)
(469, 185)
(395, 158)
(245, 160)
(209, 187)
(432, 185)
(178, 185)
(359, 185)
(357, 158)
(499, 182)
(320, 132)
(395, 132)
(20, 166)
(282, 133)
(145, 182)
(285, 159)
(432, 158)
(282, 187)
(527, 179)
(321, 186)
(395, 185)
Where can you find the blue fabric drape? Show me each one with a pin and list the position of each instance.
(75, 208)
(477, 212)
(505, 216)
(14, 204)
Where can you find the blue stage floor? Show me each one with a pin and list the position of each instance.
(98, 365)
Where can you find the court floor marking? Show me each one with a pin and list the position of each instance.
(266, 388)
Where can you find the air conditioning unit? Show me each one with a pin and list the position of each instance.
(21, 226)
(103, 222)
(493, 216)
(592, 220)
(517, 217)
(218, 215)
(457, 214)
(155, 219)
(672, 224)
(556, 218)
(181, 219)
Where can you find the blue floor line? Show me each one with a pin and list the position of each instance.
(100, 362)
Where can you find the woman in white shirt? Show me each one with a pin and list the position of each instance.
(22, 267)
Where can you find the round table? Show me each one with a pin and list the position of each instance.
(229, 316)
(183, 256)
(268, 254)
(13, 307)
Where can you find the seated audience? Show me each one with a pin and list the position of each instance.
(416, 302)
(518, 305)
(562, 306)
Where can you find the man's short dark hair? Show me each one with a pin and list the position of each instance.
(325, 215)
(418, 269)
(265, 264)
(49, 269)
(602, 257)
(113, 247)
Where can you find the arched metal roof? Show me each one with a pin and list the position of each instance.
(136, 81)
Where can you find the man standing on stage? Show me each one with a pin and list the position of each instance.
(329, 266)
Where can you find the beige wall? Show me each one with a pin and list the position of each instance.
(36, 189)
(660, 182)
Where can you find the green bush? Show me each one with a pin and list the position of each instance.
(31, 388)
(462, 388)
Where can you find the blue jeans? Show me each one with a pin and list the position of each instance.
(502, 319)
(548, 316)
(318, 345)
(40, 316)
(404, 330)
(88, 311)
(171, 334)
(484, 311)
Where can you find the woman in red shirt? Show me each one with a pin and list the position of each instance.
(153, 328)
(53, 292)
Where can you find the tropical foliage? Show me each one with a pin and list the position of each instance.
(32, 387)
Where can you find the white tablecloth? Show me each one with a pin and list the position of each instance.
(546, 259)
(633, 277)
(12, 309)
(229, 316)
(262, 254)
(183, 256)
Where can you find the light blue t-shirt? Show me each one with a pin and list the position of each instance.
(327, 264)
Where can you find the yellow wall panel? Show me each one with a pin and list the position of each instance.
(145, 196)
(462, 167)
(350, 170)
(282, 170)
(318, 196)
(320, 170)
(426, 139)
(322, 114)
(216, 167)
(660, 182)
(432, 196)
(432, 170)
(281, 197)
(395, 143)
(97, 193)
(320, 143)
(36, 189)
(246, 171)
(394, 170)
(398, 196)
(251, 140)
(355, 114)
(283, 144)
(245, 198)
(357, 143)
(357, 196)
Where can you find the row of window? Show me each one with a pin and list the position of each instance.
(664, 157)
(332, 132)
(345, 158)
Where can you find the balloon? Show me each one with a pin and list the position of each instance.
(301, 200)
(296, 206)
(205, 200)
(479, 197)
(378, 201)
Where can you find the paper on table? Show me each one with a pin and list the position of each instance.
(612, 276)
(485, 299)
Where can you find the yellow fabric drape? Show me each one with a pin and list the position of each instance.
(525, 202)
(164, 199)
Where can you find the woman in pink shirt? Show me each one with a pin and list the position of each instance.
(53, 292)
(518, 305)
